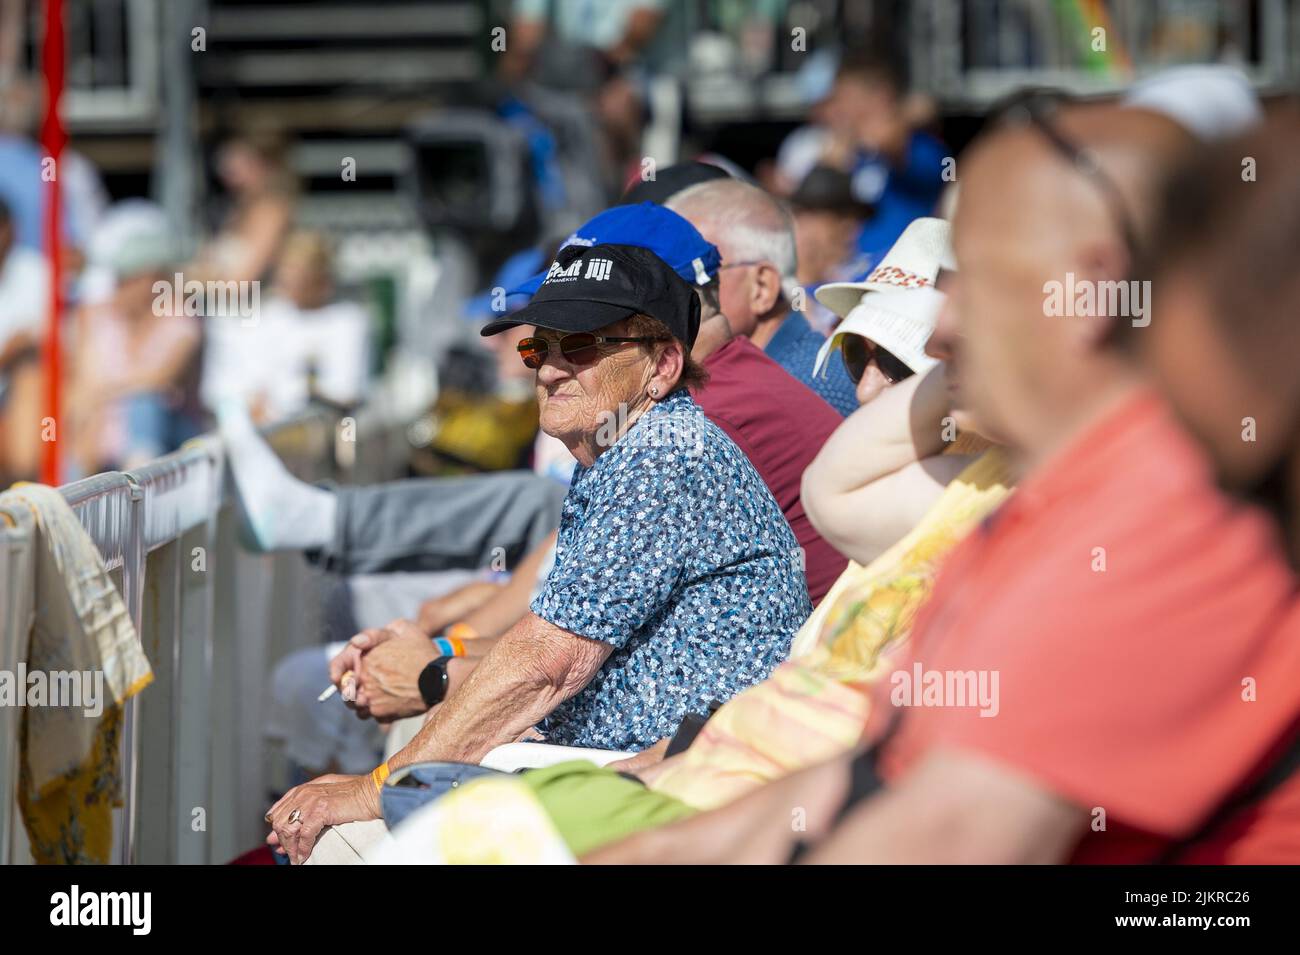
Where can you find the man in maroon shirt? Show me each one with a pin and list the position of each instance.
(780, 424)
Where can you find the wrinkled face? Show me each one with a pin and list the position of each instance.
(735, 295)
(735, 282)
(1242, 411)
(576, 401)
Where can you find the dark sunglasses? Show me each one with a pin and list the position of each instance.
(578, 348)
(1036, 107)
(858, 352)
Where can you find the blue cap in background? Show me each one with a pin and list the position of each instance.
(517, 269)
(647, 226)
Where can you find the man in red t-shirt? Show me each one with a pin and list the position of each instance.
(1114, 657)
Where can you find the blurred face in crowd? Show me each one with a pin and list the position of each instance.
(1223, 339)
(984, 332)
(1242, 403)
(134, 295)
(943, 345)
(304, 279)
(577, 399)
(1000, 348)
(505, 349)
(241, 169)
(862, 110)
(1027, 218)
(823, 240)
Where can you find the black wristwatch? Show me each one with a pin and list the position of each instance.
(433, 681)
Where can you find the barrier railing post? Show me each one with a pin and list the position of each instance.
(17, 569)
(213, 619)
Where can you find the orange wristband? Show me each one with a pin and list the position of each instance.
(379, 774)
(461, 631)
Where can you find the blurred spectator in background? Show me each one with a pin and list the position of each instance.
(120, 223)
(868, 127)
(1217, 226)
(589, 49)
(133, 389)
(254, 170)
(24, 174)
(755, 235)
(490, 428)
(827, 220)
(674, 179)
(619, 29)
(304, 344)
(24, 294)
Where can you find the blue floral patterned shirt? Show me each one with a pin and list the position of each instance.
(672, 550)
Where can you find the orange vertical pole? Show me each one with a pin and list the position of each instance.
(53, 138)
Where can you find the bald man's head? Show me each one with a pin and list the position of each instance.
(1032, 232)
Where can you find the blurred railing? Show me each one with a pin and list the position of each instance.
(972, 52)
(213, 618)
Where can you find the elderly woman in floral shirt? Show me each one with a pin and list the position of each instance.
(677, 580)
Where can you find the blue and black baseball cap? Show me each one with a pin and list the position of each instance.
(662, 231)
(587, 288)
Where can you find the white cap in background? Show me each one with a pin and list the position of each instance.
(1211, 101)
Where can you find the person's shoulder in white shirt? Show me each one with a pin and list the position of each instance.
(24, 292)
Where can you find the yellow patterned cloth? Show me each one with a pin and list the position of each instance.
(814, 706)
(82, 636)
(490, 821)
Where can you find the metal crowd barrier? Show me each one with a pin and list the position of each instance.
(213, 618)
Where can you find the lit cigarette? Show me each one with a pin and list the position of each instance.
(332, 689)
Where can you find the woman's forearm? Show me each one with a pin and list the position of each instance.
(530, 671)
(866, 486)
(902, 426)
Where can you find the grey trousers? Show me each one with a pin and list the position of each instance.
(435, 524)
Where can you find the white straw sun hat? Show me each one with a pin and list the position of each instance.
(912, 262)
(899, 321)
